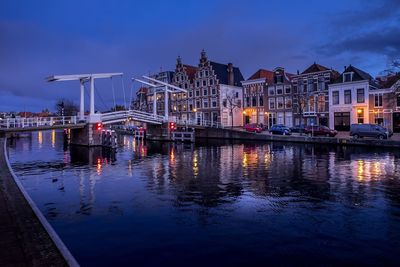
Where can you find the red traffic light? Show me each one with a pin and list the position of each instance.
(99, 126)
(172, 126)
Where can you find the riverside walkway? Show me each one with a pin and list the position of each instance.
(26, 239)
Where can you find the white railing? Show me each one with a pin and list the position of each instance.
(37, 122)
(205, 123)
(132, 114)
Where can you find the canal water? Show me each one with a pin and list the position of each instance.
(216, 204)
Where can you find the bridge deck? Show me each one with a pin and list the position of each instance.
(24, 240)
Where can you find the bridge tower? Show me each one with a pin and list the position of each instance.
(90, 135)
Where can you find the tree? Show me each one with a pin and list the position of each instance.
(66, 107)
(118, 108)
(232, 102)
(393, 67)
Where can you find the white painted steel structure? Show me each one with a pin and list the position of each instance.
(82, 78)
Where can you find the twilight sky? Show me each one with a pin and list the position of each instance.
(42, 38)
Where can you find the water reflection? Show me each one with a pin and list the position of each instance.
(203, 198)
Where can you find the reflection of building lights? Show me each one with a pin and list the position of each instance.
(53, 138)
(40, 137)
(195, 164)
(360, 170)
(99, 166)
(244, 160)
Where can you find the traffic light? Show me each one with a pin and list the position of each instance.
(99, 126)
(172, 126)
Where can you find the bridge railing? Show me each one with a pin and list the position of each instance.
(37, 121)
(134, 114)
(204, 123)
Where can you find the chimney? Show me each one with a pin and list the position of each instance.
(231, 77)
(298, 72)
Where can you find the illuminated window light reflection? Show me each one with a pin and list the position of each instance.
(99, 166)
(53, 138)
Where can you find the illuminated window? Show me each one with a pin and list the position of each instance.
(378, 100)
(360, 115)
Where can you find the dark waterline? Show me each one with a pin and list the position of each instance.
(161, 204)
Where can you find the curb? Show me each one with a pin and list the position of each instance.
(71, 261)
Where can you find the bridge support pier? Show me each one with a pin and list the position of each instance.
(90, 135)
(157, 132)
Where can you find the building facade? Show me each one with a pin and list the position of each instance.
(203, 101)
(279, 99)
(311, 95)
(254, 96)
(349, 99)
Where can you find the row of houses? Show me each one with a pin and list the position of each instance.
(319, 95)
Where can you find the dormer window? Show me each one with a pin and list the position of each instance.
(347, 77)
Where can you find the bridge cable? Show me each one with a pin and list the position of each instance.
(113, 91)
(130, 99)
(123, 89)
(101, 99)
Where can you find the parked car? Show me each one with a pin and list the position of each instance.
(298, 128)
(369, 130)
(253, 127)
(320, 130)
(280, 129)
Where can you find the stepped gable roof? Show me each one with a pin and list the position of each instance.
(315, 68)
(190, 71)
(262, 73)
(221, 71)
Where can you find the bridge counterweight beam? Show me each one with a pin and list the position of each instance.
(91, 96)
(154, 102)
(166, 103)
(82, 103)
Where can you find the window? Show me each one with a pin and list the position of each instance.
(310, 85)
(272, 103)
(398, 101)
(211, 82)
(279, 102)
(197, 84)
(214, 104)
(190, 107)
(278, 78)
(261, 101)
(321, 103)
(205, 92)
(279, 90)
(347, 96)
(206, 72)
(204, 83)
(224, 103)
(190, 94)
(237, 94)
(197, 93)
(205, 104)
(378, 100)
(247, 101)
(288, 102)
(213, 91)
(295, 89)
(198, 104)
(271, 91)
(335, 98)
(347, 77)
(253, 101)
(311, 104)
(360, 95)
(360, 115)
(287, 90)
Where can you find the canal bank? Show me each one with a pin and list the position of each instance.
(27, 239)
(234, 134)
